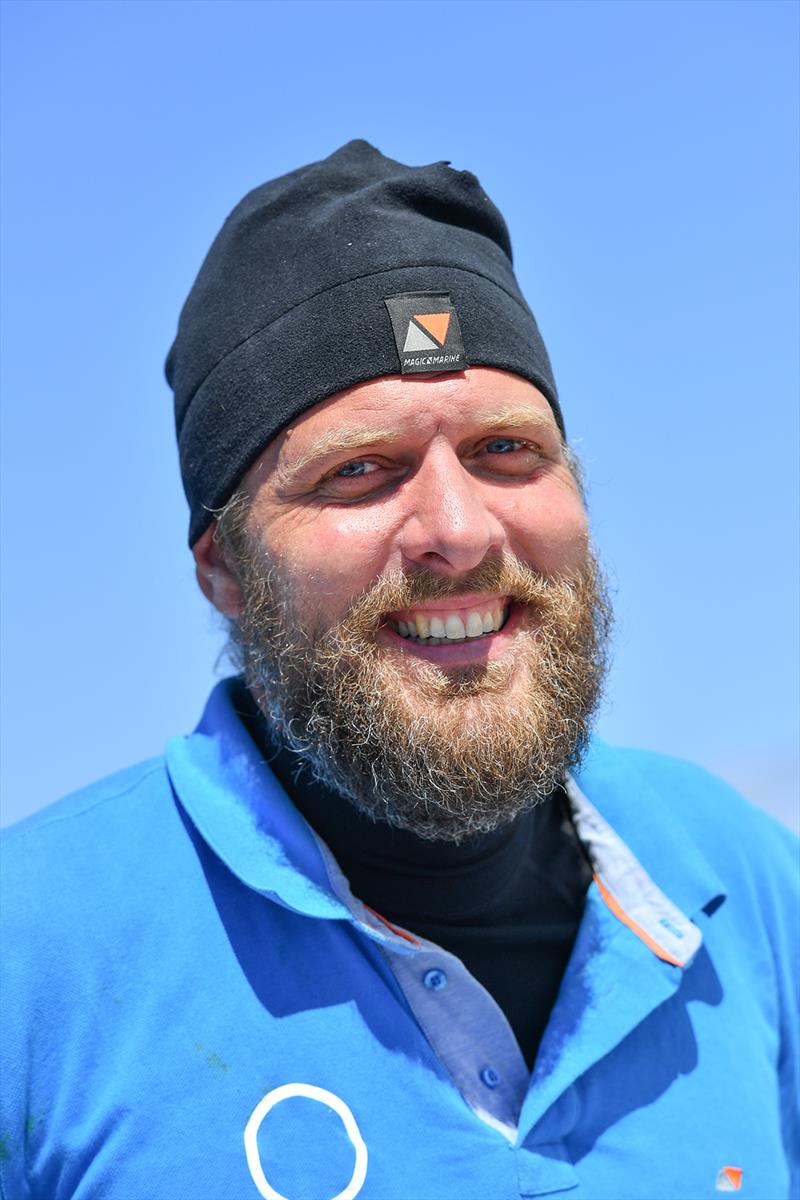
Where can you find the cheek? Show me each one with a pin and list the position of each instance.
(549, 531)
(333, 557)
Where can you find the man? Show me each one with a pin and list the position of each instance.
(390, 923)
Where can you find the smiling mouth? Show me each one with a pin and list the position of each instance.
(438, 626)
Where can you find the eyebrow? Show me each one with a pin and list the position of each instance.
(342, 440)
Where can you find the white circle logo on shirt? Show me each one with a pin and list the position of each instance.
(286, 1092)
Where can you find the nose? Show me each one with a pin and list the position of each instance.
(449, 526)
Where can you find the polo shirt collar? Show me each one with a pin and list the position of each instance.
(647, 868)
(644, 823)
(242, 812)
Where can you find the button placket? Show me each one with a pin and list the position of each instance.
(435, 979)
(467, 1031)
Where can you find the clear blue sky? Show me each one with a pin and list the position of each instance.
(645, 156)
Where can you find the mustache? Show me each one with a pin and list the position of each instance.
(413, 586)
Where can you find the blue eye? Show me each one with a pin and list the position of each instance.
(351, 469)
(504, 444)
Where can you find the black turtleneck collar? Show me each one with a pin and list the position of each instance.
(507, 903)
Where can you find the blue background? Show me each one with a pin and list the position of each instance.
(645, 157)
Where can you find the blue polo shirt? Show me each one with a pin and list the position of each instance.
(195, 1007)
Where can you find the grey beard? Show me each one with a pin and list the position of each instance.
(445, 754)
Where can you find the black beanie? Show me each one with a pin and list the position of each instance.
(339, 272)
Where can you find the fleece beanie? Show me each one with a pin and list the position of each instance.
(339, 272)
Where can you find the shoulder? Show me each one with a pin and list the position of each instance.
(683, 810)
(87, 845)
(692, 795)
(714, 812)
(87, 800)
(92, 888)
(103, 805)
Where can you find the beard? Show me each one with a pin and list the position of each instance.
(445, 753)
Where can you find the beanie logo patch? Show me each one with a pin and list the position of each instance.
(426, 333)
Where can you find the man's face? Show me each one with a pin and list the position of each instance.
(420, 614)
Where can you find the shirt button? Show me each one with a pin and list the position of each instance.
(490, 1077)
(435, 979)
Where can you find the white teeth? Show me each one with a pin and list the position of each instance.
(450, 627)
(423, 626)
(474, 625)
(454, 628)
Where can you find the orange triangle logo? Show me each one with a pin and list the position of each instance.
(437, 324)
(729, 1179)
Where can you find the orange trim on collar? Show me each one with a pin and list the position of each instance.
(620, 913)
(409, 937)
